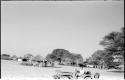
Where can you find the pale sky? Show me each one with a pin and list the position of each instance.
(39, 27)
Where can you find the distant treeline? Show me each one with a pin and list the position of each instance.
(62, 56)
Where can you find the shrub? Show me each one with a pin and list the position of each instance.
(5, 57)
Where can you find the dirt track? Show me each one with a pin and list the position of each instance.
(15, 71)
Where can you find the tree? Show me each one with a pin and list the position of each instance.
(51, 57)
(114, 42)
(78, 59)
(99, 56)
(72, 58)
(60, 54)
(28, 56)
(14, 57)
(89, 60)
(114, 45)
(38, 58)
(5, 56)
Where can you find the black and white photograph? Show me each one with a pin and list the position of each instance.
(62, 40)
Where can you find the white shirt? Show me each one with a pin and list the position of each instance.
(82, 71)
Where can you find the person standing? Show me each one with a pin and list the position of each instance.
(45, 63)
(82, 71)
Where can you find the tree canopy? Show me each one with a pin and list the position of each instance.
(38, 58)
(62, 54)
(113, 45)
(28, 56)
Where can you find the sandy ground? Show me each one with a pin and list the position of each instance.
(12, 70)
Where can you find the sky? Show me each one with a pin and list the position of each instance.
(39, 27)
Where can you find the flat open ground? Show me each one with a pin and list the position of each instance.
(13, 69)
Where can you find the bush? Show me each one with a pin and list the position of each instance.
(5, 57)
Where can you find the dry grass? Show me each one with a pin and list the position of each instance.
(15, 71)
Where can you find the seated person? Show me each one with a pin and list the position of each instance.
(96, 75)
(79, 73)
